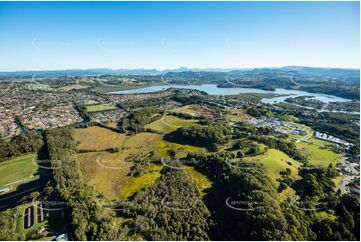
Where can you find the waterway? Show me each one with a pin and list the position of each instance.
(212, 89)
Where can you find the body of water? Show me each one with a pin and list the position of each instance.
(214, 90)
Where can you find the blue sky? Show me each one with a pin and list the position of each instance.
(68, 35)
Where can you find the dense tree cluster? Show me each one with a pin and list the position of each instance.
(30, 141)
(262, 218)
(136, 120)
(316, 188)
(83, 112)
(170, 210)
(337, 89)
(285, 180)
(246, 148)
(257, 111)
(141, 163)
(339, 124)
(266, 218)
(7, 224)
(244, 129)
(208, 135)
(182, 115)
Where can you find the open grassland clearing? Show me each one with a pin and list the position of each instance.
(17, 169)
(318, 156)
(237, 115)
(320, 142)
(108, 172)
(275, 161)
(98, 138)
(196, 110)
(174, 121)
(169, 123)
(160, 126)
(105, 171)
(166, 149)
(141, 142)
(99, 108)
(112, 124)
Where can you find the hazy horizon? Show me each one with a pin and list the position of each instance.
(181, 67)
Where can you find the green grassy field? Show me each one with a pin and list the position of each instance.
(318, 156)
(319, 142)
(163, 148)
(99, 108)
(176, 121)
(21, 167)
(169, 123)
(90, 103)
(275, 161)
(160, 126)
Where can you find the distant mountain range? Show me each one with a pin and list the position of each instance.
(302, 70)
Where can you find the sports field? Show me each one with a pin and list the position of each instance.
(17, 169)
(99, 108)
